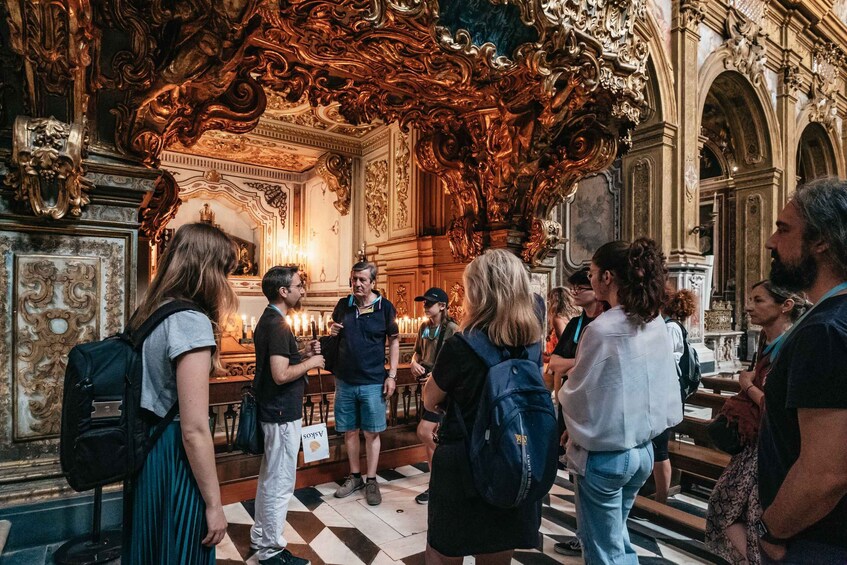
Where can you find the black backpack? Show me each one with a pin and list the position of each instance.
(514, 442)
(689, 365)
(105, 434)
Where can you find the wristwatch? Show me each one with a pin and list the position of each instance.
(392, 377)
(764, 533)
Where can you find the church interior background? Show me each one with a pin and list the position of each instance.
(416, 133)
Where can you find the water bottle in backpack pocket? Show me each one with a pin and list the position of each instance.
(513, 445)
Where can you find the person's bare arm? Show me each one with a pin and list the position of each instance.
(283, 371)
(818, 479)
(559, 366)
(192, 383)
(559, 324)
(393, 362)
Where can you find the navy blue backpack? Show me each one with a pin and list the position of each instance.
(513, 446)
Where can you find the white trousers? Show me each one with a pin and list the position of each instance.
(276, 487)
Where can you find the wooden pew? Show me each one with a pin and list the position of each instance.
(671, 518)
(707, 400)
(721, 384)
(701, 463)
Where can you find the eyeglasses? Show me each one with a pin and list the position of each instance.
(580, 289)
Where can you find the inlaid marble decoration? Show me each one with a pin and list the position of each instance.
(59, 290)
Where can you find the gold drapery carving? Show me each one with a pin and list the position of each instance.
(47, 165)
(159, 208)
(337, 172)
(457, 298)
(402, 168)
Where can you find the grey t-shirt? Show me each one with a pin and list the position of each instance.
(179, 333)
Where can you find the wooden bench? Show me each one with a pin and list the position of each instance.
(721, 384)
(703, 463)
(695, 428)
(671, 518)
(707, 400)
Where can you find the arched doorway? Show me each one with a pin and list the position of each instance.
(815, 155)
(737, 180)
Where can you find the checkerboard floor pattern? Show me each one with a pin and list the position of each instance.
(328, 530)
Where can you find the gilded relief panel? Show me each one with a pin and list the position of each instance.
(61, 290)
(402, 181)
(376, 198)
(56, 301)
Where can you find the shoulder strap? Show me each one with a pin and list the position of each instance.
(480, 344)
(441, 338)
(146, 328)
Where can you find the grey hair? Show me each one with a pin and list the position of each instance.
(365, 266)
(823, 205)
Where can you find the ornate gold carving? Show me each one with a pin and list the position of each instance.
(57, 304)
(337, 172)
(642, 189)
(47, 164)
(402, 172)
(402, 300)
(376, 195)
(827, 59)
(791, 81)
(275, 195)
(189, 70)
(746, 43)
(455, 307)
(691, 14)
(719, 317)
(159, 208)
(251, 149)
(543, 237)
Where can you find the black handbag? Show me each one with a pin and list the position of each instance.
(329, 349)
(724, 434)
(249, 438)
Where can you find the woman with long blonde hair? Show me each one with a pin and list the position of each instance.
(175, 504)
(499, 303)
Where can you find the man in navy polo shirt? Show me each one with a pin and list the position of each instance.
(363, 321)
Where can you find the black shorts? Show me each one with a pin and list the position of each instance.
(660, 446)
(432, 416)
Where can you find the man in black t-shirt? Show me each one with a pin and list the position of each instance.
(803, 439)
(279, 384)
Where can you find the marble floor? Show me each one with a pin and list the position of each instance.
(347, 531)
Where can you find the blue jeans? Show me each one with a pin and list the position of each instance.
(604, 497)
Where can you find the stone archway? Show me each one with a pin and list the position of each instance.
(816, 156)
(738, 186)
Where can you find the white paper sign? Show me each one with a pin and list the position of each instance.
(315, 443)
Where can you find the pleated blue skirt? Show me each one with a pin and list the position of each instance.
(168, 512)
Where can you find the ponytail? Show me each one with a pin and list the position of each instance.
(640, 272)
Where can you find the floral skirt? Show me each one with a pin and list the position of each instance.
(735, 498)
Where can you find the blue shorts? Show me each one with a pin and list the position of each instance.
(359, 407)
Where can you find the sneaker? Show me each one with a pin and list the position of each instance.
(351, 485)
(284, 557)
(423, 498)
(569, 547)
(372, 494)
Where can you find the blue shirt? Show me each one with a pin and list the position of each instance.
(361, 350)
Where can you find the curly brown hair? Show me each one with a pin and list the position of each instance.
(680, 305)
(640, 270)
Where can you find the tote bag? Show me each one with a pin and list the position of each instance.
(249, 438)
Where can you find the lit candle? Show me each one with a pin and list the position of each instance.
(244, 326)
(304, 323)
(288, 322)
(320, 325)
(253, 323)
(296, 325)
(328, 322)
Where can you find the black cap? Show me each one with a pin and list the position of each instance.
(434, 294)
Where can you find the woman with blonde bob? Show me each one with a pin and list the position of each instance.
(498, 302)
(175, 506)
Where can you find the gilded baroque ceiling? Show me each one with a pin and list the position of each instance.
(251, 149)
(301, 113)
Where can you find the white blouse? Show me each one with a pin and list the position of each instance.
(623, 389)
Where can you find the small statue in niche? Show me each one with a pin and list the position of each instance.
(207, 216)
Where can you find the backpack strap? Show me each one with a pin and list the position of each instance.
(157, 317)
(491, 354)
(143, 332)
